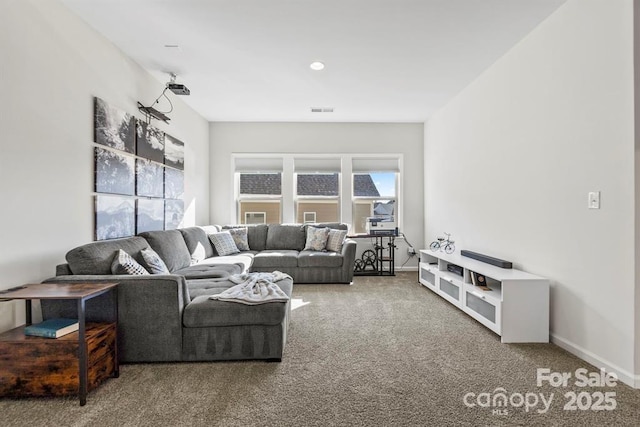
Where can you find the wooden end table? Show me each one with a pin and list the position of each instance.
(81, 292)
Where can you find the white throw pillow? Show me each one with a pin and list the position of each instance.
(224, 244)
(335, 240)
(316, 239)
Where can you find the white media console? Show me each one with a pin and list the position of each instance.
(516, 307)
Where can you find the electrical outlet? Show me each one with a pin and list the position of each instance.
(411, 251)
(594, 200)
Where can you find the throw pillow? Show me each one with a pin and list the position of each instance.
(223, 243)
(240, 237)
(316, 239)
(336, 240)
(155, 264)
(123, 263)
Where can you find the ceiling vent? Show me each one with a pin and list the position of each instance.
(322, 109)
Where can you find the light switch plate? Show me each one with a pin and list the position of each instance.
(594, 200)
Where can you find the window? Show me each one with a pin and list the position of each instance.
(318, 197)
(255, 218)
(260, 198)
(320, 187)
(374, 195)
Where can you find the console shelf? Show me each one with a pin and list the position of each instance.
(516, 307)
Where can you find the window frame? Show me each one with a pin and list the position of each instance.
(355, 200)
(289, 165)
(298, 199)
(255, 198)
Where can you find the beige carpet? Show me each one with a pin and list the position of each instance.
(382, 352)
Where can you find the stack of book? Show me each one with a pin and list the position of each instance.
(52, 328)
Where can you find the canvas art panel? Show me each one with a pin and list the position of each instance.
(149, 142)
(114, 127)
(173, 183)
(149, 215)
(114, 217)
(173, 214)
(149, 178)
(114, 172)
(173, 152)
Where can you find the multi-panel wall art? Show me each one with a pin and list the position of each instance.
(139, 175)
(150, 215)
(115, 217)
(114, 128)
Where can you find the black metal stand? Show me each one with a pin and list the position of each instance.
(375, 262)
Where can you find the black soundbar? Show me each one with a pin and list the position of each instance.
(488, 259)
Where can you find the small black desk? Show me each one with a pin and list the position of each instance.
(376, 263)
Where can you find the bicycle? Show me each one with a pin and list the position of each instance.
(443, 244)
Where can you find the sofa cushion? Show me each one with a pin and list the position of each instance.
(203, 312)
(242, 259)
(155, 264)
(198, 243)
(256, 234)
(316, 239)
(276, 259)
(240, 238)
(205, 271)
(96, 258)
(332, 225)
(286, 236)
(208, 287)
(123, 263)
(319, 259)
(335, 240)
(223, 242)
(170, 246)
(210, 229)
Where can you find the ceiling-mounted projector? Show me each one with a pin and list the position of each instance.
(152, 113)
(178, 89)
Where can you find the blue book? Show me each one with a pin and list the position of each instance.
(52, 328)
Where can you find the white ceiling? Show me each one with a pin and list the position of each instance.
(248, 60)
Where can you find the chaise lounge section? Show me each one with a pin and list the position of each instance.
(170, 317)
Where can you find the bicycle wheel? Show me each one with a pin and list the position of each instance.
(369, 257)
(435, 246)
(449, 248)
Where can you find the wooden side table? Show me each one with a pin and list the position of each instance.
(81, 292)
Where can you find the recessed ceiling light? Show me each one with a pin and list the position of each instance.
(317, 66)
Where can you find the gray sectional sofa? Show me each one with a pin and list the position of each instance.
(170, 317)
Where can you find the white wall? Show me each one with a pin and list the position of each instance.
(52, 66)
(407, 139)
(636, 56)
(510, 160)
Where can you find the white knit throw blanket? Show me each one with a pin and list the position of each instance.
(254, 288)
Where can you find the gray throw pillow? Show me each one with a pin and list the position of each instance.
(240, 237)
(155, 264)
(123, 263)
(224, 243)
(316, 239)
(335, 240)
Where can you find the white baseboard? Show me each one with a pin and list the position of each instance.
(407, 268)
(623, 375)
